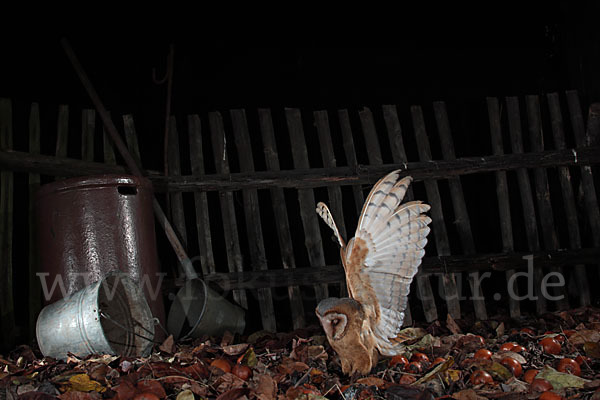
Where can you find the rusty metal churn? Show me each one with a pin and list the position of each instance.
(91, 226)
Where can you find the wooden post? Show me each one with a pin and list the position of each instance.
(207, 259)
(108, 147)
(7, 308)
(35, 290)
(334, 192)
(587, 178)
(439, 227)
(88, 127)
(516, 139)
(462, 221)
(564, 176)
(503, 202)
(62, 133)
(252, 214)
(232, 241)
(306, 198)
(425, 292)
(131, 139)
(176, 198)
(542, 193)
(284, 235)
(348, 143)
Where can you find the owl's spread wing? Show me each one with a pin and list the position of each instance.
(384, 255)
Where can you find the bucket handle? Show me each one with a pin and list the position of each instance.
(114, 321)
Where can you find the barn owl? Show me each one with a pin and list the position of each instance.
(379, 263)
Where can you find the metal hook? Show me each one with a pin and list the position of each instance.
(169, 70)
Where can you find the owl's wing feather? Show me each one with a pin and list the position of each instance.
(384, 256)
(325, 214)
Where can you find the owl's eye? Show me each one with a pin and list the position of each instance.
(335, 322)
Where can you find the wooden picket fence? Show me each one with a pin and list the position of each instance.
(243, 186)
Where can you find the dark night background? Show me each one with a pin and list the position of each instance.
(557, 51)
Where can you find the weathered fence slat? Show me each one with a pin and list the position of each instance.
(564, 176)
(62, 133)
(306, 198)
(232, 241)
(176, 199)
(461, 215)
(439, 227)
(506, 231)
(108, 148)
(34, 287)
(425, 292)
(88, 128)
(542, 193)
(284, 235)
(207, 259)
(7, 307)
(131, 139)
(334, 192)
(516, 139)
(252, 213)
(350, 151)
(587, 178)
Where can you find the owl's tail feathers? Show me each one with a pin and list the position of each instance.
(324, 213)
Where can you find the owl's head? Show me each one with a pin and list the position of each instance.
(336, 315)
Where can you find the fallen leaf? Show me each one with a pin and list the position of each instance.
(498, 371)
(467, 394)
(372, 381)
(168, 346)
(235, 349)
(410, 334)
(585, 335)
(234, 394)
(185, 395)
(560, 380)
(125, 390)
(317, 353)
(35, 396)
(227, 339)
(440, 368)
(592, 349)
(83, 383)
(266, 388)
(451, 325)
(249, 358)
(152, 386)
(503, 354)
(500, 329)
(80, 396)
(514, 385)
(402, 392)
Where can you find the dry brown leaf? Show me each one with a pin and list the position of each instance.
(372, 381)
(168, 346)
(227, 339)
(152, 386)
(266, 388)
(235, 349)
(451, 325)
(585, 335)
(468, 394)
(80, 396)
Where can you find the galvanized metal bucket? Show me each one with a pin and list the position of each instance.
(110, 316)
(198, 310)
